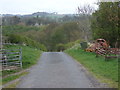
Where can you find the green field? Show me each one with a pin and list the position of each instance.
(105, 71)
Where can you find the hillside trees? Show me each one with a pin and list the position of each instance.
(105, 23)
(62, 34)
(19, 29)
(13, 20)
(54, 36)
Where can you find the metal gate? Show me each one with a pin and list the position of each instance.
(11, 58)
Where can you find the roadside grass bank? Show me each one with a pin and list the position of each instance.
(13, 77)
(13, 85)
(104, 71)
(30, 57)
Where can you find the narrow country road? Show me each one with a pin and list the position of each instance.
(56, 70)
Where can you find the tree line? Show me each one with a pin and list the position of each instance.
(88, 25)
(105, 23)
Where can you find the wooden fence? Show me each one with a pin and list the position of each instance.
(11, 58)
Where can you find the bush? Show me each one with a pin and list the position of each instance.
(60, 47)
(19, 39)
(13, 38)
(71, 44)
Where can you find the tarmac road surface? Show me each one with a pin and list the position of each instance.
(57, 70)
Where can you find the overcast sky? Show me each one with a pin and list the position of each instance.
(31, 6)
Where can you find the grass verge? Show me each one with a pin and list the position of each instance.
(13, 77)
(105, 71)
(13, 85)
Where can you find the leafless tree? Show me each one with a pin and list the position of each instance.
(86, 9)
(86, 12)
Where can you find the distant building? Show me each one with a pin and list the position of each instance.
(37, 24)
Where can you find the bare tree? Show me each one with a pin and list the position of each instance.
(86, 9)
(85, 23)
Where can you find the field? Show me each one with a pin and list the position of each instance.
(105, 71)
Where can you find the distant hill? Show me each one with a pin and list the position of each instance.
(39, 18)
(40, 14)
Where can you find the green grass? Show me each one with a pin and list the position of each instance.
(7, 72)
(10, 78)
(105, 71)
(13, 85)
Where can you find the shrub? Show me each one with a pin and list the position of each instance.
(60, 47)
(19, 39)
